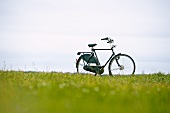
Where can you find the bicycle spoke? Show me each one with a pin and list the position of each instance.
(116, 69)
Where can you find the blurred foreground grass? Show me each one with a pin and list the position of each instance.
(71, 93)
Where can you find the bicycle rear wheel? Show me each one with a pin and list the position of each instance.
(79, 65)
(122, 65)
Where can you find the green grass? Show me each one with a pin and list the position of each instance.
(71, 93)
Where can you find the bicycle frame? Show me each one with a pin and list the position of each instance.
(93, 53)
(113, 54)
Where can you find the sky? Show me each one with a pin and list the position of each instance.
(43, 35)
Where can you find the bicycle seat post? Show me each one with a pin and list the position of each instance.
(92, 49)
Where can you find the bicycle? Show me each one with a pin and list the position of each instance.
(119, 64)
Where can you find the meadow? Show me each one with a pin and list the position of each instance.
(40, 92)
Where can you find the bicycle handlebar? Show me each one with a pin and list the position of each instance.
(108, 40)
(105, 38)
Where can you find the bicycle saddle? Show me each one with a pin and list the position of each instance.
(92, 45)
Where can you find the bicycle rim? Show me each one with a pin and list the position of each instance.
(122, 65)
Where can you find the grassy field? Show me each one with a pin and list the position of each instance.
(71, 93)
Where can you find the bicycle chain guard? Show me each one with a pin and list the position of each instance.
(94, 69)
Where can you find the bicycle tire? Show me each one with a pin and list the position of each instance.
(79, 66)
(122, 64)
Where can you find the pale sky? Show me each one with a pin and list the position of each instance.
(49, 33)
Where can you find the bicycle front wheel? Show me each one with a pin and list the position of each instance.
(122, 65)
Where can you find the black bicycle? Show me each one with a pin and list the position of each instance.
(119, 64)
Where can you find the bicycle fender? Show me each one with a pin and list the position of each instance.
(78, 61)
(118, 54)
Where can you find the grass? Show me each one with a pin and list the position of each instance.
(42, 92)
